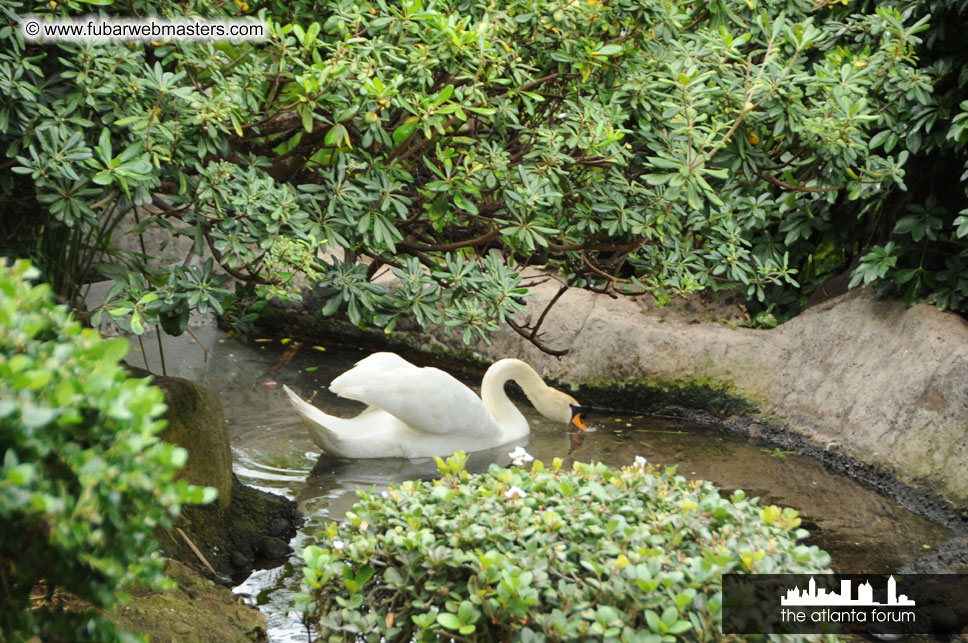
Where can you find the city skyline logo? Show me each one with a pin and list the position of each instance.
(821, 602)
(814, 596)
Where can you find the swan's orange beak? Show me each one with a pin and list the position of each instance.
(578, 423)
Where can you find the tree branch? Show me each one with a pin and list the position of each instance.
(530, 332)
(448, 247)
(250, 278)
(796, 188)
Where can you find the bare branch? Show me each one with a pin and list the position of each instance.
(530, 331)
(250, 278)
(796, 188)
(448, 247)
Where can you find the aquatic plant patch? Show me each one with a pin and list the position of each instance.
(544, 553)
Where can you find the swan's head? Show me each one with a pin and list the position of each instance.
(560, 407)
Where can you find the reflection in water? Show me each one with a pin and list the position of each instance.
(863, 531)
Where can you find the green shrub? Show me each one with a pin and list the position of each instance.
(84, 479)
(634, 146)
(544, 553)
(920, 243)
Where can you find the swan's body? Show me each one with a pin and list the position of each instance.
(418, 412)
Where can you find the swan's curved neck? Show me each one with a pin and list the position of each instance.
(496, 399)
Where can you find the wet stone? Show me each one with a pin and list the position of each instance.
(278, 527)
(274, 547)
(241, 560)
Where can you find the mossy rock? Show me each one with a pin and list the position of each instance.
(197, 610)
(650, 396)
(243, 525)
(255, 526)
(197, 423)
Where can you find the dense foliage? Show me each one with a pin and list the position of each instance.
(660, 147)
(84, 479)
(537, 554)
(921, 241)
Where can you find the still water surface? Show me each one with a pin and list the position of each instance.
(863, 531)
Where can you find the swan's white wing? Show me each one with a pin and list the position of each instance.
(356, 382)
(428, 400)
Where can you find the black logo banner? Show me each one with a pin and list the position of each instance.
(907, 604)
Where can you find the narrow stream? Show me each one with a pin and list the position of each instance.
(863, 531)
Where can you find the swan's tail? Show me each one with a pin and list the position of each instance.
(316, 421)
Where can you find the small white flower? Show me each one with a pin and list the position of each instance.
(384, 494)
(515, 492)
(338, 544)
(519, 456)
(640, 462)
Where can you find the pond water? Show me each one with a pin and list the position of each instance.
(863, 531)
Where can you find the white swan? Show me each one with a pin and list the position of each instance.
(420, 412)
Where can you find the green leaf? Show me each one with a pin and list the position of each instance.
(306, 114)
(448, 620)
(609, 50)
(365, 574)
(669, 615)
(338, 136)
(879, 138)
(423, 621)
(34, 379)
(404, 132)
(104, 146)
(103, 178)
(21, 474)
(393, 577)
(332, 305)
(7, 407)
(34, 417)
(128, 120)
(444, 95)
(114, 349)
(209, 494)
(679, 627)
(909, 223)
